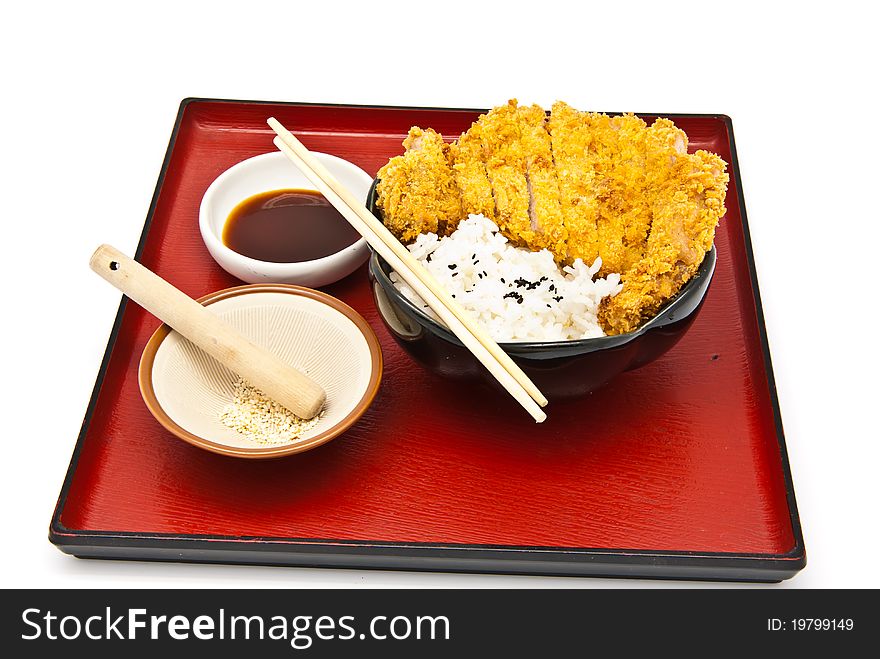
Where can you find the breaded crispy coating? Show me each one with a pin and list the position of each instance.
(628, 185)
(617, 157)
(609, 227)
(583, 185)
(417, 192)
(470, 174)
(545, 210)
(505, 165)
(570, 137)
(687, 200)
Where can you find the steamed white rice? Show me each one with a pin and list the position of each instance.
(516, 294)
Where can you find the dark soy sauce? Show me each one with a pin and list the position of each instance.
(287, 226)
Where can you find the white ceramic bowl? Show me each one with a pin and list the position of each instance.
(273, 171)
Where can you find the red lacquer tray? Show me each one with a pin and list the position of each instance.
(678, 469)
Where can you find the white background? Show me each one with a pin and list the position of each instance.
(90, 92)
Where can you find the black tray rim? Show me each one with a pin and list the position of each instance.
(369, 554)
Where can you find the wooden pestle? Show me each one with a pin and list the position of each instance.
(279, 381)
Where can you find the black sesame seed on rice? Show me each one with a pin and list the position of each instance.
(452, 266)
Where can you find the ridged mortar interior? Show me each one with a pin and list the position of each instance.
(193, 388)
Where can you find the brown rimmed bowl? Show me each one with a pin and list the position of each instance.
(186, 390)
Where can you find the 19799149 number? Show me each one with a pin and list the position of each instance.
(810, 624)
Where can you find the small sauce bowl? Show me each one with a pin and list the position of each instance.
(272, 171)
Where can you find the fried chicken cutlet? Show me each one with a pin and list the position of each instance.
(686, 195)
(583, 185)
(502, 149)
(617, 158)
(628, 183)
(417, 191)
(545, 209)
(522, 175)
(600, 163)
(571, 138)
(470, 174)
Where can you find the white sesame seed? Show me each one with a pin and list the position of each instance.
(261, 419)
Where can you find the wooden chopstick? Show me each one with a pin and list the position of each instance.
(455, 325)
(422, 282)
(382, 232)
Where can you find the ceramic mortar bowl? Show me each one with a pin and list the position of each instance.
(187, 391)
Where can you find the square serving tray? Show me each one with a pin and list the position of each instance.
(676, 470)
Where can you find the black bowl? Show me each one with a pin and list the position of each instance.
(561, 369)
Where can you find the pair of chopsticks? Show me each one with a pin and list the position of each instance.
(499, 363)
